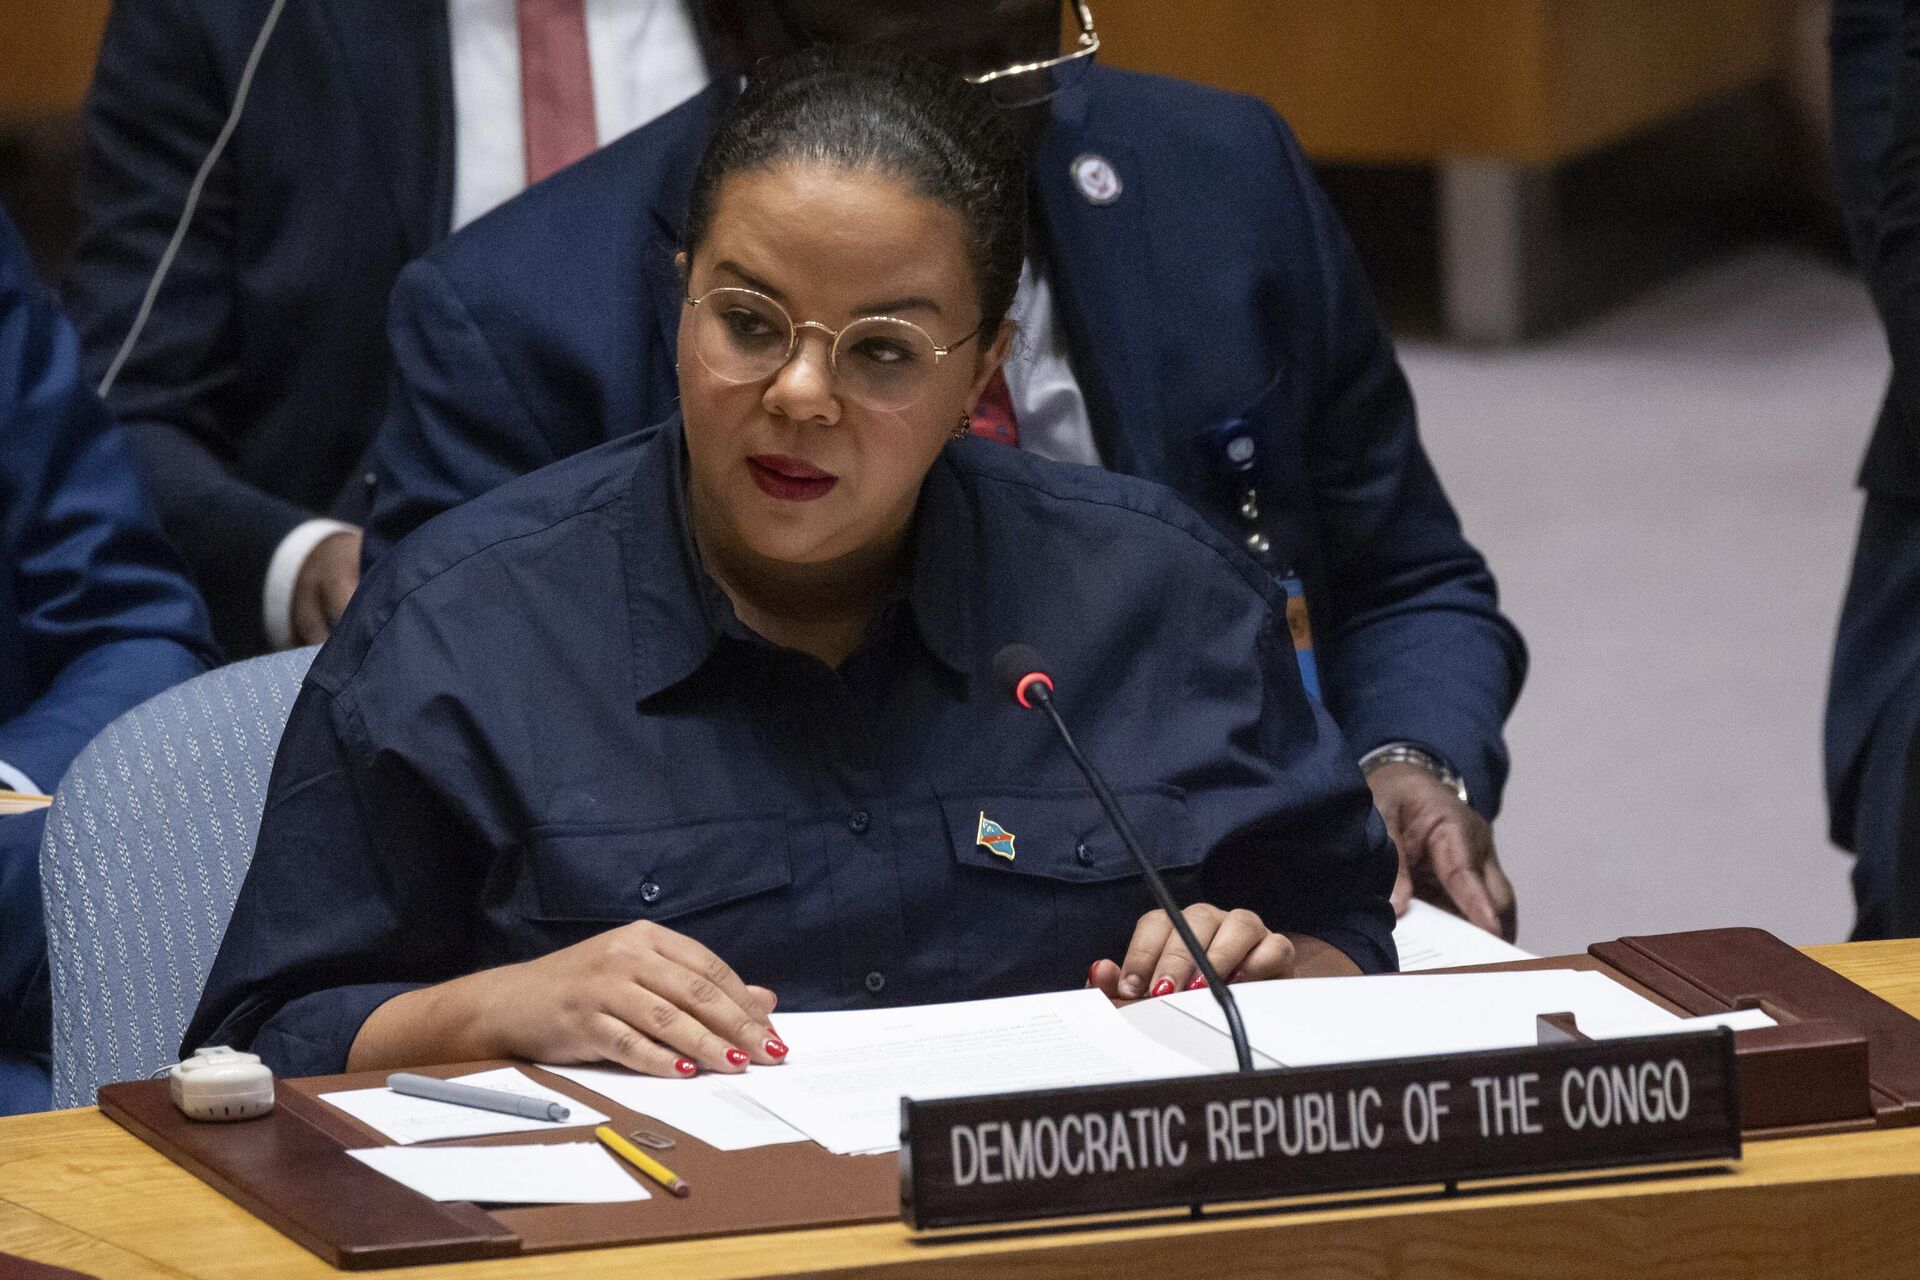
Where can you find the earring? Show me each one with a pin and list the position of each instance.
(965, 428)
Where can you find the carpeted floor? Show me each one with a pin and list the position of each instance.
(1667, 498)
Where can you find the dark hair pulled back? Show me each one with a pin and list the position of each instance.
(871, 110)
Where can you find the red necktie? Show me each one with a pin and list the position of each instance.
(993, 416)
(556, 85)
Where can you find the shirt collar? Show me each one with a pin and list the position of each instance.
(945, 568)
(678, 614)
(673, 631)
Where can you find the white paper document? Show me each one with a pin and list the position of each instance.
(567, 1173)
(408, 1120)
(1430, 937)
(842, 1083)
(1738, 1020)
(1307, 1022)
(705, 1107)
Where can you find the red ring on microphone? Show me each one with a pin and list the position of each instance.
(1027, 681)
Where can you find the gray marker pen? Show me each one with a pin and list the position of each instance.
(466, 1095)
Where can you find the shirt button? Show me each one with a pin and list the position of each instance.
(859, 822)
(875, 981)
(1082, 854)
(649, 892)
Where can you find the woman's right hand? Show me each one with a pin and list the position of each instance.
(641, 996)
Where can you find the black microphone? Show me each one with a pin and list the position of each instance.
(1021, 674)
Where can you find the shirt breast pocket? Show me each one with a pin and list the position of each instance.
(1044, 879)
(712, 880)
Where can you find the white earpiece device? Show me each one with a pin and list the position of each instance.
(218, 1083)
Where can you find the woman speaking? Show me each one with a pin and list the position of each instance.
(605, 764)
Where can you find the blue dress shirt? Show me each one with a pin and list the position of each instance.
(541, 720)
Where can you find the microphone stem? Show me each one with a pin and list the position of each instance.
(1242, 1049)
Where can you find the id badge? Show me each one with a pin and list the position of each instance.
(1302, 631)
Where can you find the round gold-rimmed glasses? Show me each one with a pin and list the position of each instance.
(1028, 84)
(742, 335)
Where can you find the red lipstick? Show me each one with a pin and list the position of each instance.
(789, 479)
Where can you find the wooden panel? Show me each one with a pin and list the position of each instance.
(1401, 80)
(1619, 65)
(1417, 81)
(1891, 970)
(47, 49)
(1364, 80)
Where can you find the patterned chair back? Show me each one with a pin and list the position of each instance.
(148, 840)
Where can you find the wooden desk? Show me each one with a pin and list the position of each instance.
(78, 1192)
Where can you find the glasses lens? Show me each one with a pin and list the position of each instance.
(884, 364)
(740, 335)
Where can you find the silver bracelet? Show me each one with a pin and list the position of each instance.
(1419, 757)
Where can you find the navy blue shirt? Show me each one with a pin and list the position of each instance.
(540, 720)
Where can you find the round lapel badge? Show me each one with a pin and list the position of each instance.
(1095, 177)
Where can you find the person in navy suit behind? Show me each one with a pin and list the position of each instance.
(1873, 702)
(1191, 312)
(95, 617)
(602, 764)
(371, 129)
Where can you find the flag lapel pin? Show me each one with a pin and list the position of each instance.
(994, 838)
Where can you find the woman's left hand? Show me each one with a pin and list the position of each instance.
(1238, 943)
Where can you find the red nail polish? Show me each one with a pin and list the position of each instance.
(775, 1049)
(737, 1057)
(1164, 987)
(1199, 982)
(1238, 975)
(685, 1066)
(1093, 974)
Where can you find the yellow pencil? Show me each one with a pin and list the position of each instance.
(640, 1160)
